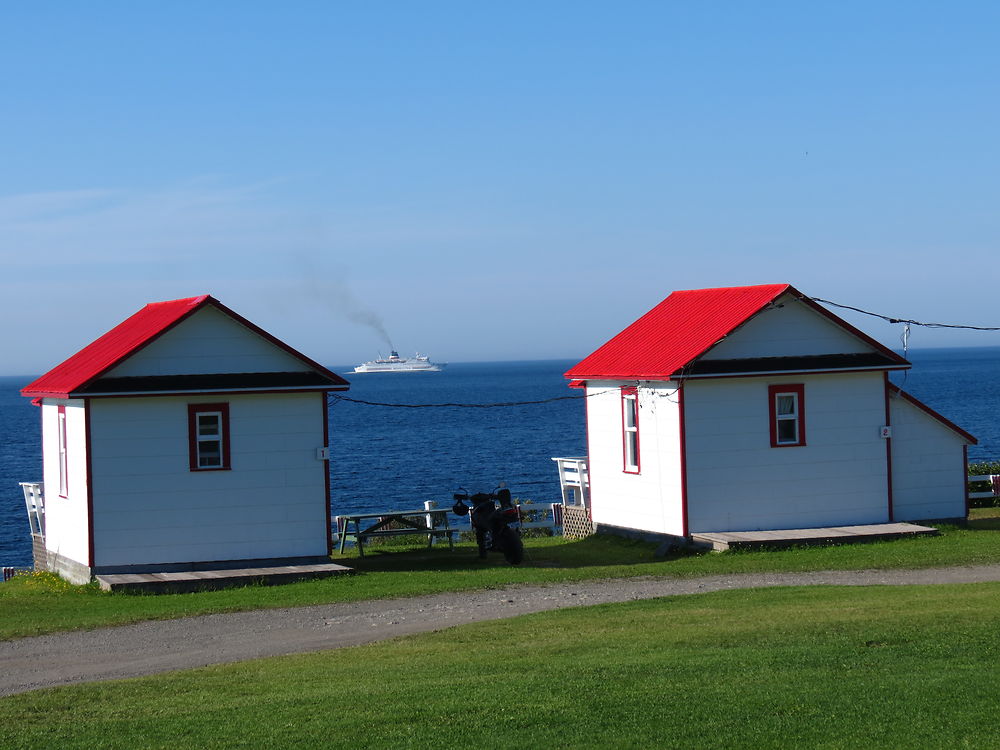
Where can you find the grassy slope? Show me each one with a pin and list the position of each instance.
(41, 604)
(877, 667)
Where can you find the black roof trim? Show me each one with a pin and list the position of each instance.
(874, 360)
(211, 382)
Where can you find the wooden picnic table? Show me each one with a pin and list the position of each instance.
(404, 521)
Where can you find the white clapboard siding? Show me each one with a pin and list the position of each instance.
(650, 500)
(150, 508)
(208, 342)
(793, 329)
(66, 517)
(927, 459)
(738, 482)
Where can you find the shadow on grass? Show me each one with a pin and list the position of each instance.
(955, 544)
(983, 519)
(984, 524)
(551, 552)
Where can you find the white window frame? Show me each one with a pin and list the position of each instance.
(796, 417)
(202, 438)
(63, 452)
(196, 439)
(630, 430)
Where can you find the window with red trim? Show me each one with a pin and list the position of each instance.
(630, 430)
(208, 437)
(63, 452)
(788, 415)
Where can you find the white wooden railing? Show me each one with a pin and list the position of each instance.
(541, 516)
(574, 480)
(34, 501)
(533, 516)
(994, 479)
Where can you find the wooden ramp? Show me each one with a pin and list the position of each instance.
(199, 580)
(723, 540)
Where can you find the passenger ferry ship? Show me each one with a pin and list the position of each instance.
(395, 363)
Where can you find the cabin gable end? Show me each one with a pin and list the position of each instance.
(208, 342)
(788, 328)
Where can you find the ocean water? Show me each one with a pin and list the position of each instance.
(392, 458)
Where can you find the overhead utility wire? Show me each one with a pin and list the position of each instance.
(460, 406)
(890, 319)
(501, 404)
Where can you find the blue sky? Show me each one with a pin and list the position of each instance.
(494, 181)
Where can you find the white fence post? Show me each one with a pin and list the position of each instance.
(430, 505)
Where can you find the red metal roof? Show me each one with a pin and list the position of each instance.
(679, 329)
(686, 325)
(130, 336)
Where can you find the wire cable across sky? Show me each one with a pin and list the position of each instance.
(910, 321)
(455, 405)
(503, 404)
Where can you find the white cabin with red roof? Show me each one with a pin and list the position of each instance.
(754, 408)
(186, 436)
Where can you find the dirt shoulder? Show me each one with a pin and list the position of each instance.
(162, 646)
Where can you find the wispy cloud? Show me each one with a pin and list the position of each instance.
(202, 224)
(35, 208)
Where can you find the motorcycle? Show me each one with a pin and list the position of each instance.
(496, 521)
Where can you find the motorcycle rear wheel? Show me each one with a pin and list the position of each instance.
(511, 545)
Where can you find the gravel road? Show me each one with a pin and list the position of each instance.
(152, 647)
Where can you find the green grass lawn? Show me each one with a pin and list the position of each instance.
(824, 667)
(38, 604)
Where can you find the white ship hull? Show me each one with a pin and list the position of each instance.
(395, 363)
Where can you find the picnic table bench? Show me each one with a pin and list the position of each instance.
(431, 522)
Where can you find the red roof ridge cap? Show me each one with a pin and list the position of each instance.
(192, 301)
(781, 285)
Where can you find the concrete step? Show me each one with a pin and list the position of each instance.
(723, 540)
(200, 580)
